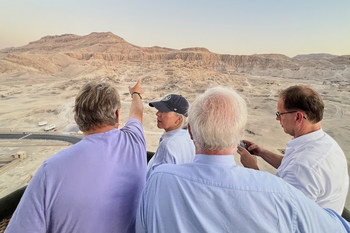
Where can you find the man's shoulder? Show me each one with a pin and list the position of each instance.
(236, 177)
(133, 122)
(133, 125)
(169, 168)
(315, 150)
(66, 155)
(178, 171)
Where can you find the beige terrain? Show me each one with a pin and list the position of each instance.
(39, 81)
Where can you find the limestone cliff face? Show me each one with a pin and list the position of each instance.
(52, 55)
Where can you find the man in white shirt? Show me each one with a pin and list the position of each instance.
(175, 145)
(313, 162)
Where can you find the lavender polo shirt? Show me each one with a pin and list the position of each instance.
(93, 186)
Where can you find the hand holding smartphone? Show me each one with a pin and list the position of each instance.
(242, 144)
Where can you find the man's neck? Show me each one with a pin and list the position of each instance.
(306, 129)
(101, 129)
(228, 151)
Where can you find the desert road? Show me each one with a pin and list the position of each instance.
(69, 139)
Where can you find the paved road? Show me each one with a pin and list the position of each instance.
(70, 139)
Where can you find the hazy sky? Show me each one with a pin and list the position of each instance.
(287, 27)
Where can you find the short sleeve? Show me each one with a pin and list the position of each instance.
(134, 128)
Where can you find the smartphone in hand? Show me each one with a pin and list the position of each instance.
(242, 144)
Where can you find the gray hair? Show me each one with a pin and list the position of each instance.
(183, 122)
(217, 118)
(96, 105)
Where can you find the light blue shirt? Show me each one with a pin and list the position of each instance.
(175, 147)
(92, 187)
(213, 194)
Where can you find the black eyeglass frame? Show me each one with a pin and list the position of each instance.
(278, 114)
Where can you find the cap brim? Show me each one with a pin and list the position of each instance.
(160, 106)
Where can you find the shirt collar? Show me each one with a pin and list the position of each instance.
(306, 138)
(227, 160)
(171, 133)
(102, 134)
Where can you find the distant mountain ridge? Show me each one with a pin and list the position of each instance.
(315, 56)
(70, 54)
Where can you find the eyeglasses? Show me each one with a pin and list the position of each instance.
(278, 114)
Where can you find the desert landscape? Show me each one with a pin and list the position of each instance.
(39, 81)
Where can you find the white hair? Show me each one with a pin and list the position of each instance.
(217, 118)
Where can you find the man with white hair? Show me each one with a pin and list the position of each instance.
(213, 194)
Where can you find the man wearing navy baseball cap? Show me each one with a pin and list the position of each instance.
(175, 145)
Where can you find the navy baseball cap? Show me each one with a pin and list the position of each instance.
(172, 103)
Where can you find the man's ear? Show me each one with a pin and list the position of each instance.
(179, 119)
(189, 131)
(300, 117)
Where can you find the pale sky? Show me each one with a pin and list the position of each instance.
(237, 27)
